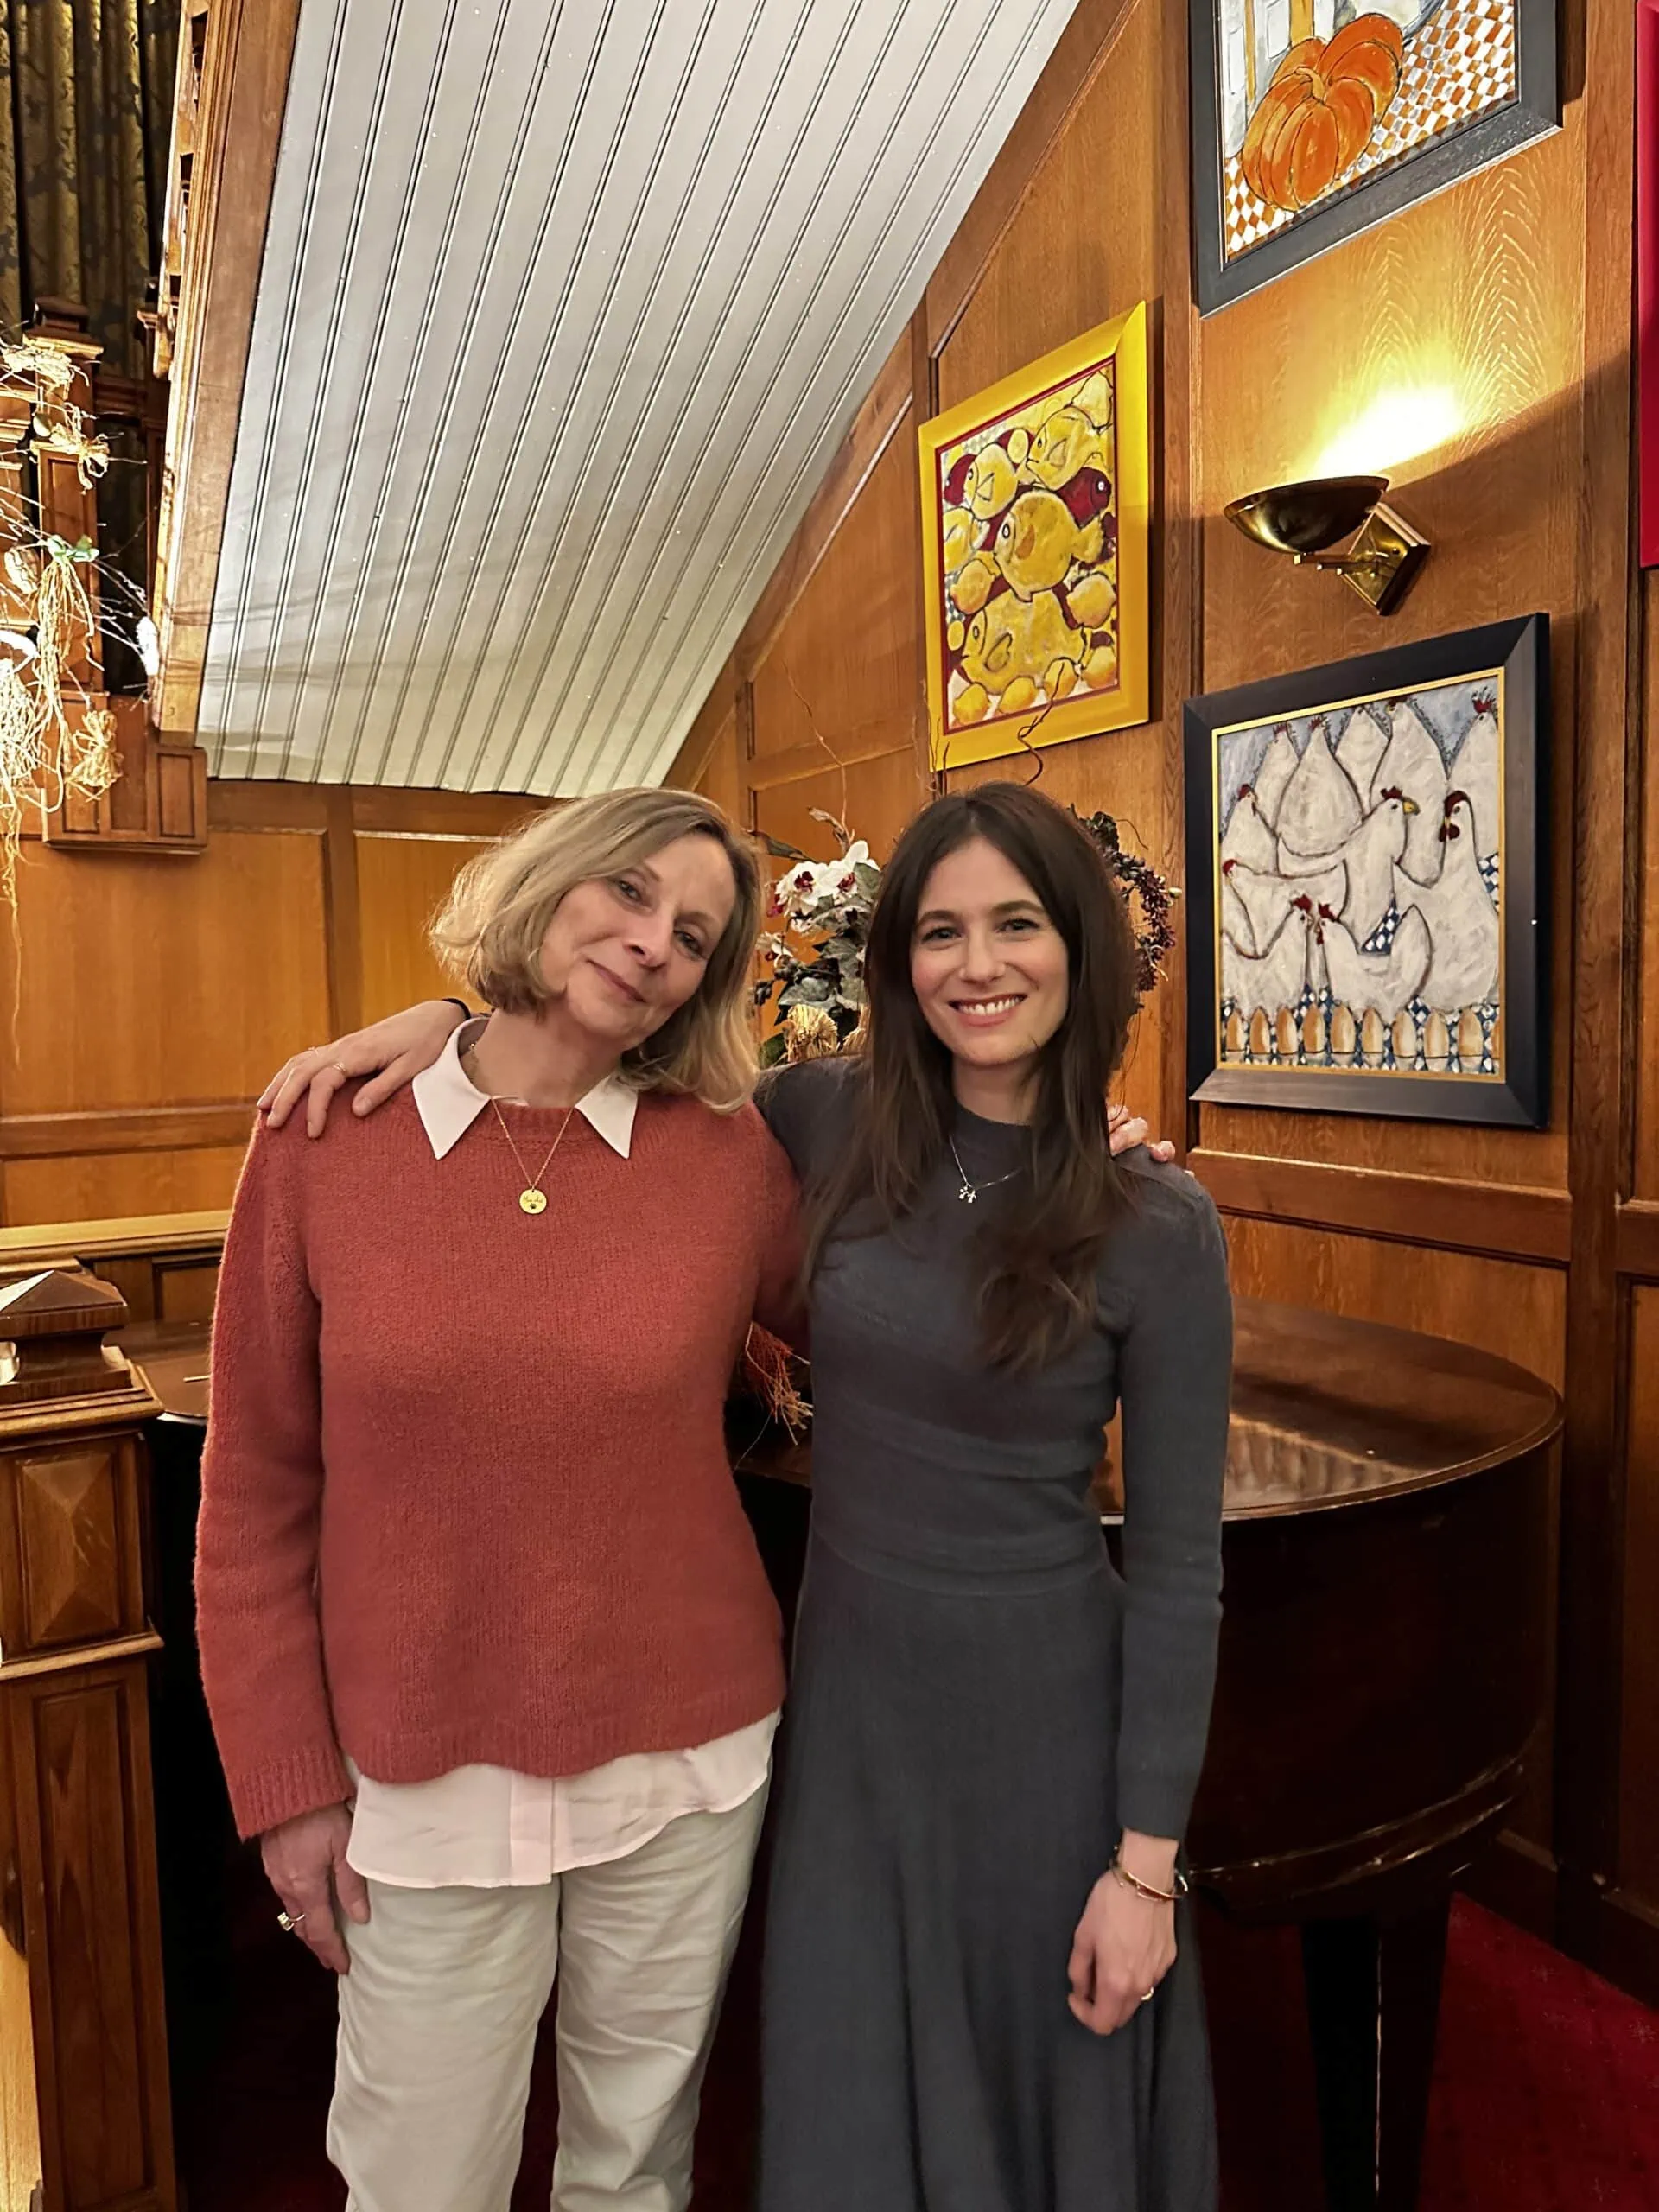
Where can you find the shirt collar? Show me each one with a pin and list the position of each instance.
(448, 1101)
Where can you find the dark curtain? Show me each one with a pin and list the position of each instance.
(85, 130)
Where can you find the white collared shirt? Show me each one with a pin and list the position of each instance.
(488, 1826)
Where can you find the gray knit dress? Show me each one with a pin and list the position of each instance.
(979, 1703)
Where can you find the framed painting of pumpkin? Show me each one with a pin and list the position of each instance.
(1036, 497)
(1314, 119)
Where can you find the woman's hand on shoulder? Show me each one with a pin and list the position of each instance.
(1126, 1130)
(393, 1052)
(305, 1864)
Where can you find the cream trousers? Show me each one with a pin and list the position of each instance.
(439, 2012)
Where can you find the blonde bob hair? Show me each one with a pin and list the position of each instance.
(488, 933)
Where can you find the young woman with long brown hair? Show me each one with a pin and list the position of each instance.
(974, 1995)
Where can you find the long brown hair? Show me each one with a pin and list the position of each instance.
(1035, 1296)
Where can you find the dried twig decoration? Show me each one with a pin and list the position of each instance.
(1156, 934)
(769, 1372)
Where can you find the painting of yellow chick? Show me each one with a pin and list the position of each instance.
(1034, 500)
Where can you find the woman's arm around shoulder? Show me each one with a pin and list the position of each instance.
(808, 1107)
(780, 1299)
(1174, 1387)
(391, 1054)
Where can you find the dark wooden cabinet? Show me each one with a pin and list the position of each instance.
(84, 2117)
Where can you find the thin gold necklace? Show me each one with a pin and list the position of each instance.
(533, 1198)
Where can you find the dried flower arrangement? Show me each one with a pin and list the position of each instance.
(816, 958)
(53, 737)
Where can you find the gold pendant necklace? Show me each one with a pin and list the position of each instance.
(533, 1198)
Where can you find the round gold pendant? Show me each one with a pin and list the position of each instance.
(533, 1201)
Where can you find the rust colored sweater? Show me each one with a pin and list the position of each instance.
(466, 1496)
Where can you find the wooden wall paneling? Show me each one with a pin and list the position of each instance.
(1178, 539)
(924, 406)
(154, 1002)
(1461, 321)
(1514, 1308)
(1589, 1784)
(343, 920)
(1500, 1220)
(721, 776)
(880, 795)
(106, 1185)
(402, 882)
(143, 984)
(838, 681)
(250, 804)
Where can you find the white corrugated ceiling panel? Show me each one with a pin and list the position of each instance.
(564, 311)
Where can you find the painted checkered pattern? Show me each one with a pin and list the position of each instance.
(1459, 67)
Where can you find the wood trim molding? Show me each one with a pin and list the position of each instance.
(242, 803)
(1606, 684)
(1177, 533)
(371, 810)
(1630, 1944)
(136, 1129)
(343, 913)
(115, 1239)
(458, 817)
(1637, 1239)
(249, 51)
(1494, 1220)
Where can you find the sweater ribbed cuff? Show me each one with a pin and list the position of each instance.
(1155, 1804)
(264, 1796)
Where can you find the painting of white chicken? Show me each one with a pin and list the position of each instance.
(1359, 885)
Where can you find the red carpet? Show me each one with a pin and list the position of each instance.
(1546, 2096)
(1547, 2092)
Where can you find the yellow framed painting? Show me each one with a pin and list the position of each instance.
(1036, 500)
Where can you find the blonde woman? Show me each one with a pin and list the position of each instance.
(491, 1657)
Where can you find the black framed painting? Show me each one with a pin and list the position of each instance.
(1313, 119)
(1367, 882)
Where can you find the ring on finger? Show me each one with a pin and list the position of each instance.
(289, 1922)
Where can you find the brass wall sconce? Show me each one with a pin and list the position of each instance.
(1304, 520)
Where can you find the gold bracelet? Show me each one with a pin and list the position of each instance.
(1147, 1888)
